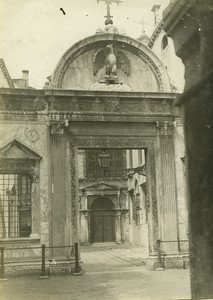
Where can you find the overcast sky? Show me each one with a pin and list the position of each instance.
(34, 34)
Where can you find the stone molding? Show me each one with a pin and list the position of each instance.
(115, 142)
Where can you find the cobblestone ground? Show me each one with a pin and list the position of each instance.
(110, 272)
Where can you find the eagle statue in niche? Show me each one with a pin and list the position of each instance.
(111, 67)
(112, 60)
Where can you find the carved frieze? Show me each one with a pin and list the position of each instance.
(114, 142)
(14, 104)
(113, 105)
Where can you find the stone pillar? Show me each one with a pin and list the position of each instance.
(152, 206)
(118, 226)
(167, 189)
(124, 225)
(74, 192)
(190, 24)
(85, 226)
(35, 202)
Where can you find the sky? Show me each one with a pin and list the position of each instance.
(34, 34)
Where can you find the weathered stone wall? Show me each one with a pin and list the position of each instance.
(33, 136)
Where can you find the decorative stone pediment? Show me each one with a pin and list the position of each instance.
(101, 186)
(16, 150)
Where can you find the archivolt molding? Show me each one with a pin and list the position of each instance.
(123, 42)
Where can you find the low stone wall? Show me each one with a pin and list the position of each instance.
(27, 267)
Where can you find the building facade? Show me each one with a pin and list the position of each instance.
(108, 92)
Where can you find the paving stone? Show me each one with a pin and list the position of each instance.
(108, 274)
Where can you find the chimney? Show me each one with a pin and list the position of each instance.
(155, 10)
(25, 74)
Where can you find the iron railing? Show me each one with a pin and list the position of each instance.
(43, 248)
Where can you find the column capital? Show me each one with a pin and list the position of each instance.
(165, 127)
(57, 128)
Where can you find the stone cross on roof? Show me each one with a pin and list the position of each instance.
(108, 16)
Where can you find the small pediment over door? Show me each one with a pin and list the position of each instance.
(16, 150)
(102, 187)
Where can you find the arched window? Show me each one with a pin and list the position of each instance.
(164, 42)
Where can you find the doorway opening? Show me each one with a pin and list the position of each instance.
(113, 201)
(102, 221)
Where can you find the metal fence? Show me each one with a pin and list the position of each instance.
(74, 248)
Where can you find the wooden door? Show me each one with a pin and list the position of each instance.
(108, 228)
(103, 227)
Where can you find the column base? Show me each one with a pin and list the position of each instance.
(175, 261)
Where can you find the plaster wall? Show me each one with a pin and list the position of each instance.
(138, 235)
(34, 136)
(80, 73)
(172, 62)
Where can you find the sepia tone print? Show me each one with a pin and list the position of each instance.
(105, 149)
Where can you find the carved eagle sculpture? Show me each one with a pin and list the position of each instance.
(112, 61)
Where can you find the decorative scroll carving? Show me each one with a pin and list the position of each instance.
(38, 104)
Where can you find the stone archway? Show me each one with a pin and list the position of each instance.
(102, 221)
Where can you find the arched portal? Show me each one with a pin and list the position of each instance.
(102, 221)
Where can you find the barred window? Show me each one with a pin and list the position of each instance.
(15, 205)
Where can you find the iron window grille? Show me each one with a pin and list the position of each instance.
(15, 205)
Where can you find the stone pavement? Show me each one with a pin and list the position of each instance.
(115, 272)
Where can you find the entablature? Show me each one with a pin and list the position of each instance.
(84, 105)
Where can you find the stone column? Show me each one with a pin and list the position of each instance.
(85, 226)
(74, 192)
(152, 203)
(124, 225)
(190, 24)
(167, 189)
(118, 226)
(35, 202)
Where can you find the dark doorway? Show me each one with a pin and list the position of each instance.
(102, 221)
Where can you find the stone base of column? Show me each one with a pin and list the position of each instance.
(35, 236)
(168, 262)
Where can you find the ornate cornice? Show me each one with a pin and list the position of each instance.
(155, 34)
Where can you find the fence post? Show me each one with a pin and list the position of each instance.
(77, 270)
(160, 266)
(43, 266)
(2, 271)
